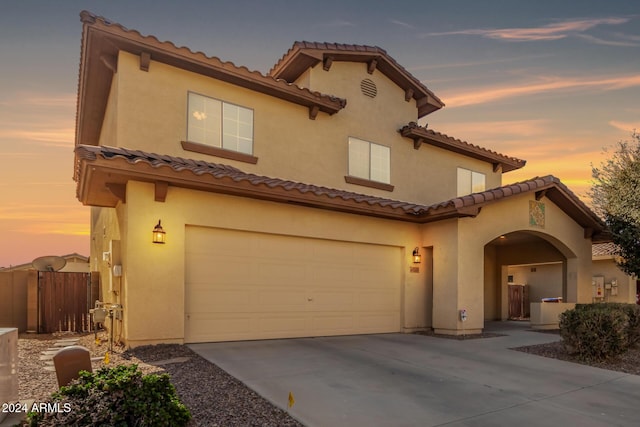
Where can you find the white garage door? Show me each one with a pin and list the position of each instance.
(242, 285)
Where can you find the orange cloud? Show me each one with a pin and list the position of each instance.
(466, 64)
(488, 95)
(59, 137)
(499, 129)
(625, 126)
(37, 100)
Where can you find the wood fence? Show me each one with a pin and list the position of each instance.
(64, 300)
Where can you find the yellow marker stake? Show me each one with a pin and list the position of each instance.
(292, 401)
(106, 358)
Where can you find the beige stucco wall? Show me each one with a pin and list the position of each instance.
(153, 275)
(107, 231)
(291, 146)
(457, 272)
(460, 262)
(287, 143)
(606, 266)
(544, 280)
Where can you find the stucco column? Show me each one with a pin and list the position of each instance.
(458, 281)
(579, 288)
(154, 273)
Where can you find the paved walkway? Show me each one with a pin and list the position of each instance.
(414, 380)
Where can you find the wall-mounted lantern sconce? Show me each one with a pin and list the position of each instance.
(159, 235)
(416, 256)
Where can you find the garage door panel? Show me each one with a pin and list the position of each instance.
(336, 274)
(281, 300)
(241, 285)
(329, 251)
(333, 324)
(218, 300)
(280, 272)
(377, 276)
(215, 268)
(331, 300)
(281, 326)
(377, 322)
(378, 300)
(205, 327)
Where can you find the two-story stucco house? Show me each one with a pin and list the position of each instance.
(293, 203)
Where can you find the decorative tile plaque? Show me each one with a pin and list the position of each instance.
(536, 214)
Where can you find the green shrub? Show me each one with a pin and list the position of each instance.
(119, 396)
(595, 332)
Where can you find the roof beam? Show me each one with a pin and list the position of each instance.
(118, 190)
(313, 112)
(145, 60)
(161, 189)
(372, 65)
(408, 94)
(326, 63)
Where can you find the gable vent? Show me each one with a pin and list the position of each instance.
(368, 88)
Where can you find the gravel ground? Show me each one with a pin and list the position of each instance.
(214, 397)
(628, 362)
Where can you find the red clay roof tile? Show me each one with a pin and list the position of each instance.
(437, 139)
(304, 55)
(455, 207)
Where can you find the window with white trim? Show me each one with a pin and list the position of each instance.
(369, 161)
(219, 124)
(470, 182)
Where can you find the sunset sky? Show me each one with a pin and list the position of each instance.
(546, 81)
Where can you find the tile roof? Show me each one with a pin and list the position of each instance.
(102, 39)
(304, 55)
(548, 186)
(422, 134)
(604, 249)
(226, 172)
(230, 180)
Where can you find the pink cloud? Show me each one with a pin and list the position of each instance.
(553, 31)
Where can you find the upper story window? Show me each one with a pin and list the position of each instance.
(470, 182)
(369, 161)
(220, 124)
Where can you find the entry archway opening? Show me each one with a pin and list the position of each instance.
(522, 267)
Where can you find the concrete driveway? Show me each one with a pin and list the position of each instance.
(414, 380)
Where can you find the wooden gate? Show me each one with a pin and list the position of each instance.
(518, 302)
(63, 302)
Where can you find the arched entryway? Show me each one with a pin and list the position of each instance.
(525, 266)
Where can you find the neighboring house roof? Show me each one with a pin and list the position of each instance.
(104, 171)
(421, 134)
(304, 55)
(601, 250)
(101, 42)
(74, 257)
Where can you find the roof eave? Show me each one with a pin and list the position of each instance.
(103, 182)
(304, 56)
(421, 135)
(101, 43)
